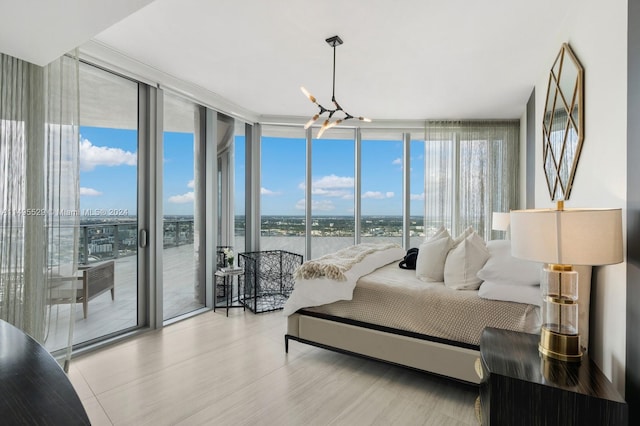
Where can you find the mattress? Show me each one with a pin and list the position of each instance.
(395, 298)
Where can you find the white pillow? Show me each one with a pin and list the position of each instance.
(530, 294)
(439, 232)
(502, 268)
(431, 257)
(464, 262)
(460, 238)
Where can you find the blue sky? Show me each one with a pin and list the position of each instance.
(108, 174)
(178, 174)
(333, 171)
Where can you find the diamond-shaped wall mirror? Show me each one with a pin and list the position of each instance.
(563, 123)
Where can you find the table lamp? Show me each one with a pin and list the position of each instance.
(562, 238)
(500, 222)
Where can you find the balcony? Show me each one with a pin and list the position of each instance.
(112, 240)
(118, 242)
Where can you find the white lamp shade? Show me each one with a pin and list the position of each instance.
(500, 221)
(567, 237)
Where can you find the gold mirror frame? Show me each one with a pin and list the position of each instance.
(563, 123)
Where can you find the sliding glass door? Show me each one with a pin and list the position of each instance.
(108, 243)
(182, 290)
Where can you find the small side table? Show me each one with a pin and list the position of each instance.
(518, 387)
(227, 276)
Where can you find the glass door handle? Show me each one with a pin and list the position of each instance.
(142, 238)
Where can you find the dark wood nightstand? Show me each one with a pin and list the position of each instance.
(518, 387)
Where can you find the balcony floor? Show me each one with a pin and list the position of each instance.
(105, 316)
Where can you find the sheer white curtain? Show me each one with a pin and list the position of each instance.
(39, 195)
(471, 170)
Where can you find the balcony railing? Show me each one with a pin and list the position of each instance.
(112, 240)
(103, 241)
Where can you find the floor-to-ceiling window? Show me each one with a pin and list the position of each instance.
(239, 215)
(108, 200)
(282, 189)
(332, 191)
(458, 174)
(336, 177)
(471, 172)
(381, 167)
(182, 290)
(417, 182)
(439, 194)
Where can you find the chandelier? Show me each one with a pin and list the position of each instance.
(333, 42)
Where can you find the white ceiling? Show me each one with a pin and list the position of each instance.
(40, 31)
(403, 59)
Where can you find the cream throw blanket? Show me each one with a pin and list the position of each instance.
(334, 265)
(347, 265)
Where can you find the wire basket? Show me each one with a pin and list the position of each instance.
(268, 278)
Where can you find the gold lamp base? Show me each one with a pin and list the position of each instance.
(563, 347)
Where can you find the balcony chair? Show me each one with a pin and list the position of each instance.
(95, 279)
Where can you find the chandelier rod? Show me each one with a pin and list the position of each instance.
(333, 93)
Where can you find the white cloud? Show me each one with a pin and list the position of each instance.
(188, 197)
(417, 197)
(89, 192)
(372, 194)
(397, 162)
(317, 205)
(377, 195)
(191, 184)
(265, 191)
(333, 181)
(332, 186)
(92, 156)
(335, 193)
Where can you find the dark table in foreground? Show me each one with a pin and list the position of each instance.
(34, 390)
(520, 388)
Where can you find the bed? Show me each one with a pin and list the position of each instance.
(393, 316)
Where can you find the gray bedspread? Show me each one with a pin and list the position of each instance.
(395, 298)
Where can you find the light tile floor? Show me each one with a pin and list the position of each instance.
(214, 370)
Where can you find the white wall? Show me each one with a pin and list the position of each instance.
(597, 33)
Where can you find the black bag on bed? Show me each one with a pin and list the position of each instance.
(409, 261)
